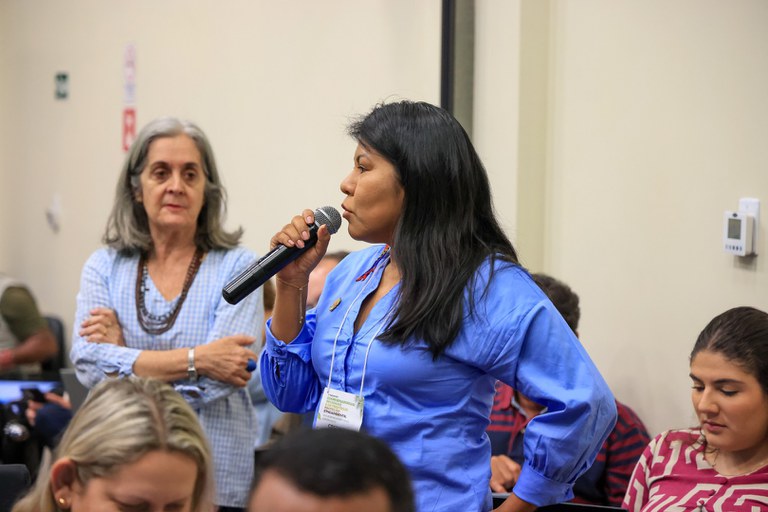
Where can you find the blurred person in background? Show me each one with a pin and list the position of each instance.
(319, 274)
(266, 413)
(25, 339)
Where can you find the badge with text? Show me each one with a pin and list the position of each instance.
(340, 409)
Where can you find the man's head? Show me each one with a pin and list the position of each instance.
(330, 470)
(564, 299)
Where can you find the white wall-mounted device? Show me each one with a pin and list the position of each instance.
(740, 228)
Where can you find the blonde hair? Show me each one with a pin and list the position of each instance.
(121, 421)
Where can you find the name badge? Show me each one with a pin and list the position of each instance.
(340, 409)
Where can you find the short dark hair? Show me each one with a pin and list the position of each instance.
(565, 300)
(337, 462)
(741, 336)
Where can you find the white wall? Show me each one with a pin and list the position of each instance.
(273, 84)
(496, 109)
(658, 123)
(648, 120)
(645, 119)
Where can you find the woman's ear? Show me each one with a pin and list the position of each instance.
(63, 480)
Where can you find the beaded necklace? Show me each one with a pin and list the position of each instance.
(158, 324)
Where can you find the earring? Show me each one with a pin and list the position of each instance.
(62, 502)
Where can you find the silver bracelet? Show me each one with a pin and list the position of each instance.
(191, 370)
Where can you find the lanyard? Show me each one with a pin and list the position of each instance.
(385, 258)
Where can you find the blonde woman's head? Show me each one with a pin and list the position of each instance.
(133, 428)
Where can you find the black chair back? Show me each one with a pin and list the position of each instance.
(14, 483)
(57, 362)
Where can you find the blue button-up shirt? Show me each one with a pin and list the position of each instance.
(225, 412)
(434, 413)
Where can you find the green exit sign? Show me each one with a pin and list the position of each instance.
(62, 86)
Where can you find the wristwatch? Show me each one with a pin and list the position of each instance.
(191, 370)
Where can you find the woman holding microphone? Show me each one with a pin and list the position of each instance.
(410, 334)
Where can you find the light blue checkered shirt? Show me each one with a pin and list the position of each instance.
(225, 412)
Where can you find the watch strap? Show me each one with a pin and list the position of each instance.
(191, 370)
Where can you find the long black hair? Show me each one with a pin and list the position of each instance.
(447, 227)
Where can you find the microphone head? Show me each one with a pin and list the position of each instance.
(329, 216)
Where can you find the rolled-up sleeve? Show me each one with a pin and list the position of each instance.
(287, 374)
(96, 361)
(553, 369)
(528, 345)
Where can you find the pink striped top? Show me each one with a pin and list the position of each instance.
(673, 476)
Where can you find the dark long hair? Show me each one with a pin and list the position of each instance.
(741, 336)
(447, 227)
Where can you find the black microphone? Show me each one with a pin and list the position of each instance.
(264, 268)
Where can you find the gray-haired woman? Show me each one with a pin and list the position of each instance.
(150, 303)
